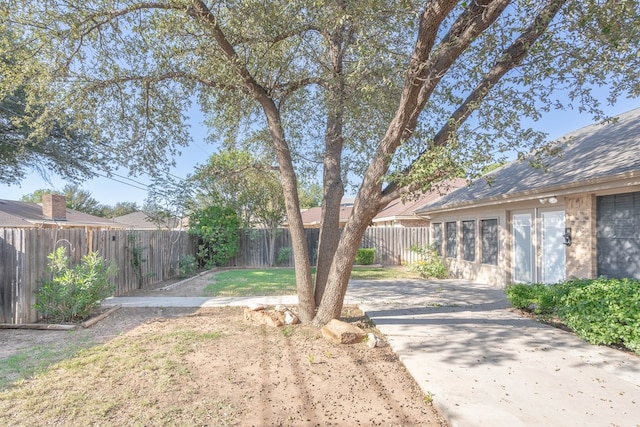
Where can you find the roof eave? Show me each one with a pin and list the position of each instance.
(594, 184)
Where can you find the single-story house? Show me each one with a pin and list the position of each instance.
(312, 217)
(401, 213)
(578, 216)
(51, 213)
(398, 213)
(141, 221)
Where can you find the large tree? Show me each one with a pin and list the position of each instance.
(401, 94)
(27, 143)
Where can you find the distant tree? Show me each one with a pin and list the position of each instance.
(310, 195)
(247, 184)
(242, 181)
(36, 196)
(119, 209)
(76, 198)
(216, 228)
(81, 200)
(169, 201)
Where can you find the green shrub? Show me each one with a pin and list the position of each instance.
(365, 256)
(73, 293)
(539, 298)
(284, 255)
(605, 311)
(187, 265)
(600, 311)
(217, 230)
(429, 264)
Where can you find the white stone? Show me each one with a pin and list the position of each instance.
(256, 307)
(290, 318)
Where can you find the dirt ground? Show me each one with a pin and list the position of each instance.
(246, 375)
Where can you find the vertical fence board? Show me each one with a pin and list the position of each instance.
(391, 244)
(23, 256)
(23, 261)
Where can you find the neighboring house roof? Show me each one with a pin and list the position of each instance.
(23, 214)
(141, 221)
(399, 210)
(594, 154)
(312, 216)
(394, 211)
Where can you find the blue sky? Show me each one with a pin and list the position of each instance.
(110, 191)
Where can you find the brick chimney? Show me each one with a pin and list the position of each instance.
(54, 206)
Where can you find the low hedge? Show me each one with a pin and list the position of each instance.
(365, 256)
(600, 311)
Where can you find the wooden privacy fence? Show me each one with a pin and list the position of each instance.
(23, 256)
(391, 244)
(23, 261)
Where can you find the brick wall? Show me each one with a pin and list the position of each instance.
(580, 216)
(54, 206)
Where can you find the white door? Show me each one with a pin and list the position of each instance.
(538, 250)
(552, 257)
(523, 261)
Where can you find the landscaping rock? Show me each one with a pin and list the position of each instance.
(342, 332)
(374, 341)
(265, 317)
(290, 318)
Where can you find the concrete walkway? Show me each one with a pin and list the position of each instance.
(482, 364)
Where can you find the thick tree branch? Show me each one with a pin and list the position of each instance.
(510, 59)
(471, 23)
(426, 72)
(283, 153)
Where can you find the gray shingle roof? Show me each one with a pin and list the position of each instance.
(589, 154)
(140, 221)
(23, 214)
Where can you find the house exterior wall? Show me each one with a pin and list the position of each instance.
(501, 274)
(581, 257)
(580, 217)
(475, 270)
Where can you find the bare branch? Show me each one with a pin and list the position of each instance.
(174, 75)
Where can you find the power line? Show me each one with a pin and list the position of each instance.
(124, 182)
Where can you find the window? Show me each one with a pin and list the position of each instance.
(452, 240)
(437, 238)
(469, 240)
(489, 236)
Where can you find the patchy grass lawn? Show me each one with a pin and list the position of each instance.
(213, 368)
(34, 360)
(282, 281)
(262, 282)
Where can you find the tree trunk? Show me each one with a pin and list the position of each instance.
(271, 237)
(333, 192)
(364, 209)
(332, 178)
(304, 284)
